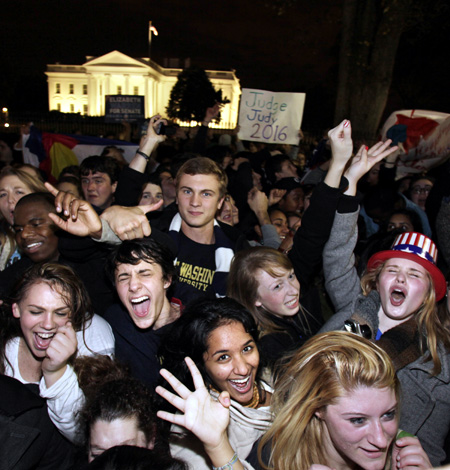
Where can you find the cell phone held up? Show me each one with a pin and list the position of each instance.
(168, 130)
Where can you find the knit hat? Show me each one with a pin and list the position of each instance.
(418, 248)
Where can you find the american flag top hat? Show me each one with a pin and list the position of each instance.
(415, 247)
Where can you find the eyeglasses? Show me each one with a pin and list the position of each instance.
(420, 190)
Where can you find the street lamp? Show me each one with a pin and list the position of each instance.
(151, 29)
(5, 117)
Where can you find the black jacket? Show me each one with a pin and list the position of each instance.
(28, 438)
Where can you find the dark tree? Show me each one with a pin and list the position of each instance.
(192, 95)
(371, 31)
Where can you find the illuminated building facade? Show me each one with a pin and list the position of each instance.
(82, 88)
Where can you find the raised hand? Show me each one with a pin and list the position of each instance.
(259, 204)
(341, 150)
(257, 200)
(237, 161)
(275, 196)
(62, 347)
(151, 138)
(211, 113)
(129, 223)
(341, 142)
(408, 454)
(207, 418)
(364, 160)
(80, 217)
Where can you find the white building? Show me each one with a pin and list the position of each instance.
(82, 88)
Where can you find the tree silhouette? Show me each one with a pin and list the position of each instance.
(192, 95)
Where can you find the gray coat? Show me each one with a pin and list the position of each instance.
(425, 404)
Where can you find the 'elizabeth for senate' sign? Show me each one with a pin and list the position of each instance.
(266, 116)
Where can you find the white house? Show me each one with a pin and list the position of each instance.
(82, 88)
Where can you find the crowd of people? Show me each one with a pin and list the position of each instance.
(217, 304)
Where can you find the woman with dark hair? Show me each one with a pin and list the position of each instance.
(419, 189)
(220, 338)
(151, 192)
(45, 322)
(404, 219)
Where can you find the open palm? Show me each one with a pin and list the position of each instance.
(202, 415)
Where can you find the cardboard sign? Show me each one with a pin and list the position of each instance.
(266, 116)
(127, 108)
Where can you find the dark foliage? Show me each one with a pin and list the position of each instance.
(192, 95)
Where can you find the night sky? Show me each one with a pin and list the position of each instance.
(296, 51)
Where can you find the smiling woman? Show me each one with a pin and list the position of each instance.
(336, 405)
(220, 336)
(48, 320)
(395, 304)
(263, 280)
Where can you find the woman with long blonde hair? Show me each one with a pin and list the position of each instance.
(336, 405)
(394, 304)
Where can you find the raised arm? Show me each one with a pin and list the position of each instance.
(341, 278)
(341, 150)
(201, 414)
(79, 218)
(306, 252)
(129, 223)
(147, 145)
(364, 160)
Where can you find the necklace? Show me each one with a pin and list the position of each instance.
(255, 400)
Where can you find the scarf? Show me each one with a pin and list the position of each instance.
(402, 343)
(224, 253)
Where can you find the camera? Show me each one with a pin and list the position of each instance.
(168, 130)
(355, 327)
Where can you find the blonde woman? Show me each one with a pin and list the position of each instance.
(394, 304)
(336, 405)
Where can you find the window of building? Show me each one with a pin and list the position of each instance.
(58, 88)
(119, 90)
(72, 108)
(71, 87)
(136, 90)
(85, 90)
(85, 108)
(58, 106)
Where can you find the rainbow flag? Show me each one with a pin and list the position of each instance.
(53, 152)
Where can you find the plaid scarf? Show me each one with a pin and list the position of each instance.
(224, 253)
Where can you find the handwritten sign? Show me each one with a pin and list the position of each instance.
(266, 116)
(120, 108)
